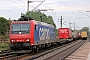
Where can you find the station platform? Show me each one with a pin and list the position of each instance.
(83, 53)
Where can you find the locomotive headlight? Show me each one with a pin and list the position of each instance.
(27, 40)
(12, 40)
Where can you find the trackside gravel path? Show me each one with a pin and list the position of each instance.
(81, 54)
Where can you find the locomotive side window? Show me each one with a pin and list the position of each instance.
(20, 28)
(36, 27)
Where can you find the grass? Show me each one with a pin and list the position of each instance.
(4, 46)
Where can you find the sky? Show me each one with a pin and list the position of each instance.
(70, 10)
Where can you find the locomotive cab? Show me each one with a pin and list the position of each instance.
(20, 35)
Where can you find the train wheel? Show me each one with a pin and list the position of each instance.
(58, 43)
(13, 48)
(35, 49)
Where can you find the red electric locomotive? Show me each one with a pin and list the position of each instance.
(31, 34)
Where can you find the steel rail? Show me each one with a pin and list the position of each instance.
(73, 50)
(39, 56)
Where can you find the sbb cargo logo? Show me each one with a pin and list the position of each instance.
(44, 34)
(63, 31)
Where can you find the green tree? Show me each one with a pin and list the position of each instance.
(36, 16)
(3, 26)
(85, 29)
(9, 22)
(56, 32)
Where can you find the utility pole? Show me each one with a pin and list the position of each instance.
(74, 25)
(41, 18)
(70, 25)
(61, 22)
(28, 6)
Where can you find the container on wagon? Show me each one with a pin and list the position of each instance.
(75, 34)
(64, 33)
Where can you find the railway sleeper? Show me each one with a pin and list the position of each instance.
(2, 58)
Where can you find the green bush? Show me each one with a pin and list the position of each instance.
(4, 46)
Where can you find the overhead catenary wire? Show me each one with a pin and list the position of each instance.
(84, 13)
(39, 4)
(22, 1)
(79, 10)
(69, 9)
(14, 1)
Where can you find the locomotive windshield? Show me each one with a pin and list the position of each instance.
(20, 28)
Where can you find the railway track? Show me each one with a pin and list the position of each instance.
(66, 51)
(82, 53)
(42, 55)
(5, 51)
(50, 54)
(12, 55)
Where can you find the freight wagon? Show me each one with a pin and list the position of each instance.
(75, 34)
(84, 35)
(79, 35)
(65, 34)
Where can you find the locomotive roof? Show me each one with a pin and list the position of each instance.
(46, 24)
(20, 21)
(35, 22)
